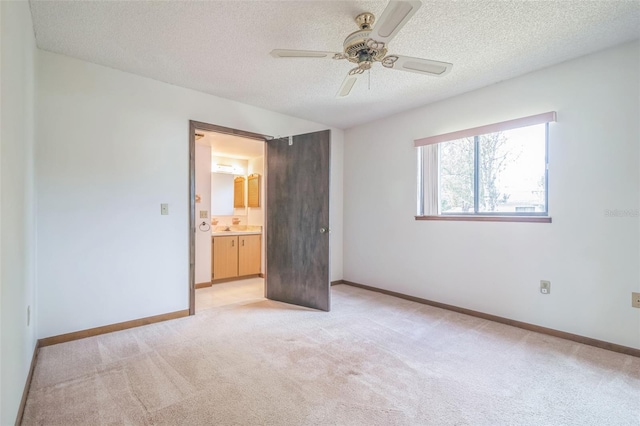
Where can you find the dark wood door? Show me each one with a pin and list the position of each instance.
(297, 258)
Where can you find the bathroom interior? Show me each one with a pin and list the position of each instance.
(229, 209)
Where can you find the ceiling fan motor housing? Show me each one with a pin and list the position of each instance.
(358, 47)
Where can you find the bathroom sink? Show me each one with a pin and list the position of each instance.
(219, 233)
(236, 230)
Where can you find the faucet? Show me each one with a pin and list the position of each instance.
(224, 226)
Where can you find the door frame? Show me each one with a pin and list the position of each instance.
(193, 126)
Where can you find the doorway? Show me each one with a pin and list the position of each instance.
(295, 231)
(228, 197)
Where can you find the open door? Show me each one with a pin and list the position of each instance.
(297, 182)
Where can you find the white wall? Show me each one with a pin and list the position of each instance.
(203, 189)
(17, 224)
(255, 215)
(591, 260)
(336, 204)
(112, 147)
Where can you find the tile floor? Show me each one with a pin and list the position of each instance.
(230, 293)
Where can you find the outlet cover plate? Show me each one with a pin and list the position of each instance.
(635, 300)
(545, 287)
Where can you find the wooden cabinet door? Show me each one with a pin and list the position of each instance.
(249, 254)
(225, 257)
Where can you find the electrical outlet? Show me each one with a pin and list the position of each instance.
(28, 315)
(635, 300)
(545, 287)
(164, 209)
(204, 214)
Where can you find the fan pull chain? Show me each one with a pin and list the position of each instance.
(369, 72)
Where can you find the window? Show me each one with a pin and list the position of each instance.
(498, 170)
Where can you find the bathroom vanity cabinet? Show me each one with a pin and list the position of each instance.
(235, 256)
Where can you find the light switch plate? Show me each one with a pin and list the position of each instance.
(204, 214)
(164, 209)
(635, 300)
(545, 287)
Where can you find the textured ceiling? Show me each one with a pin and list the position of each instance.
(222, 47)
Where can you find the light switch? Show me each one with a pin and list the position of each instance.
(164, 209)
(545, 287)
(204, 214)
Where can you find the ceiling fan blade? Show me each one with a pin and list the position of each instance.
(394, 17)
(347, 85)
(417, 65)
(286, 53)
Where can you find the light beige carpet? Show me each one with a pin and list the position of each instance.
(373, 360)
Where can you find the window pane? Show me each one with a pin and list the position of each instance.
(456, 176)
(512, 171)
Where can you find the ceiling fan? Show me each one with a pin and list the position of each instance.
(369, 45)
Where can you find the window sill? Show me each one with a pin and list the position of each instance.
(469, 218)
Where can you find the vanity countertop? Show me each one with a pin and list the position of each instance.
(220, 231)
(230, 233)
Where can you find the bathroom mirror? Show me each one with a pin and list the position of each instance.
(223, 189)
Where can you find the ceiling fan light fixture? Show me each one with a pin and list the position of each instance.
(365, 56)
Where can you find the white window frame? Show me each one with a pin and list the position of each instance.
(428, 202)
